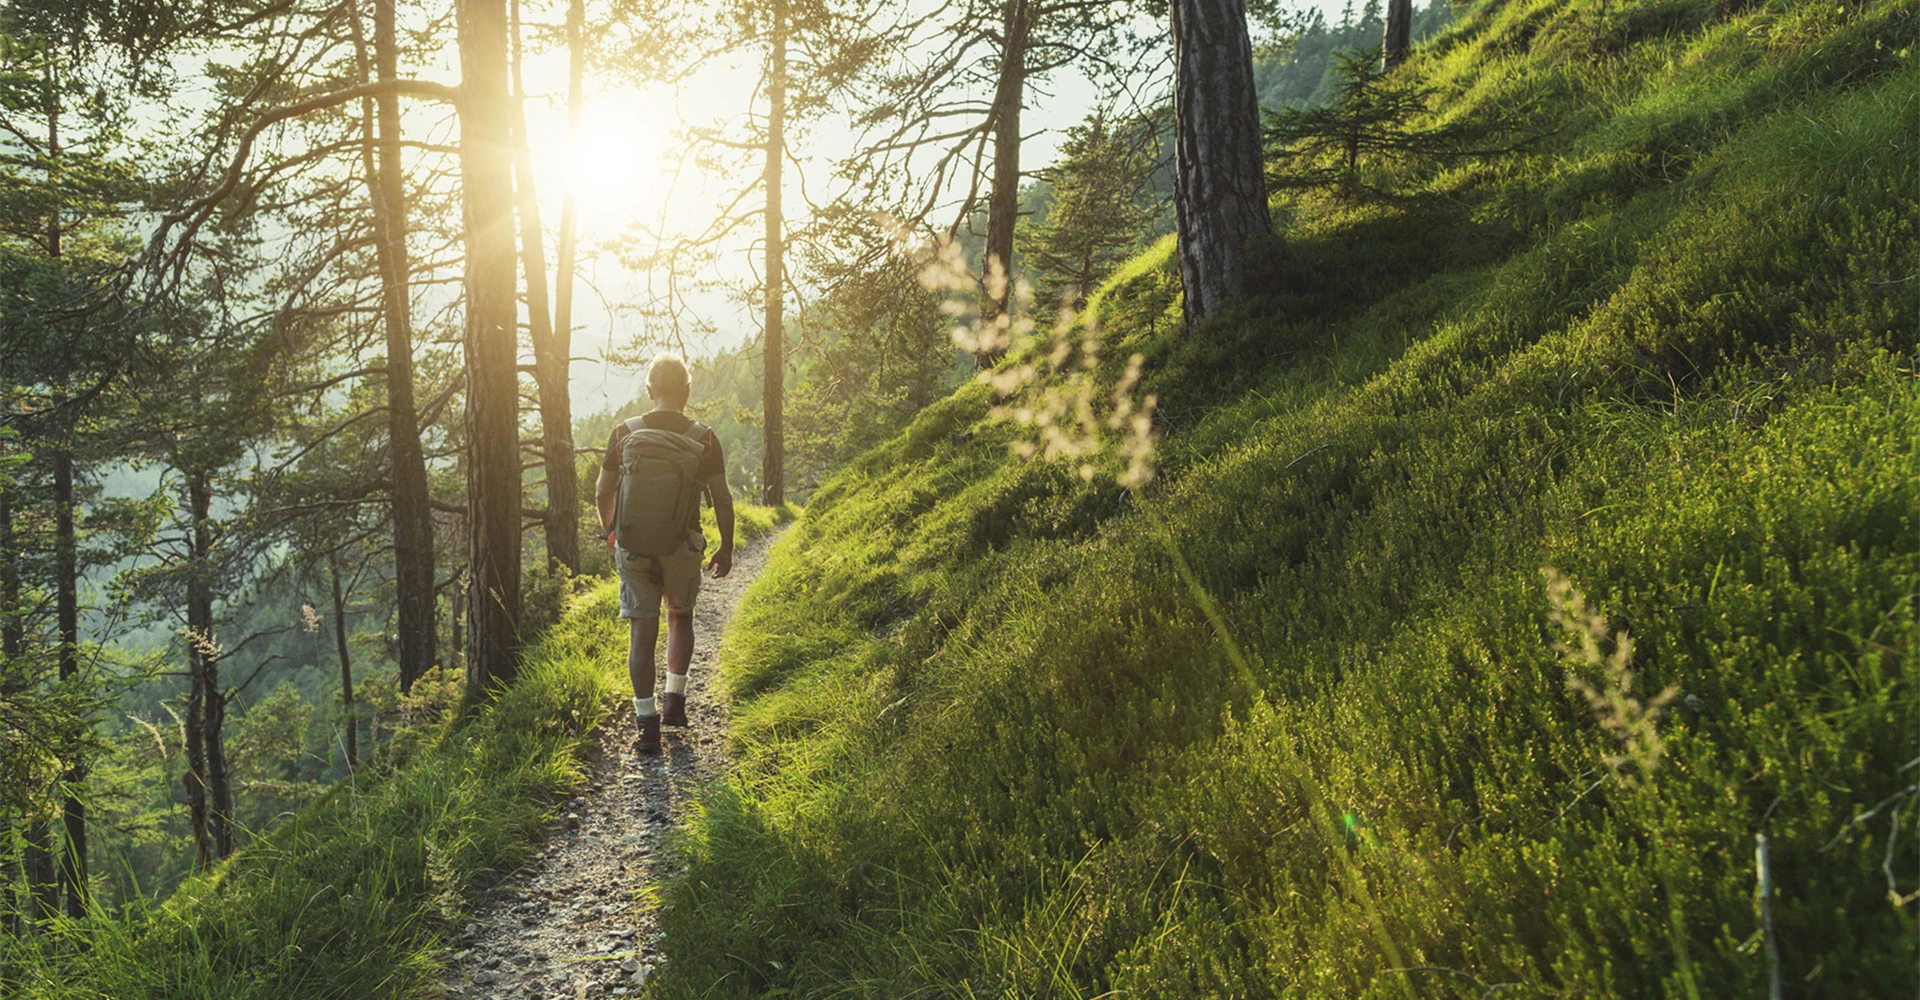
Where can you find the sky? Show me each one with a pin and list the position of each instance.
(623, 167)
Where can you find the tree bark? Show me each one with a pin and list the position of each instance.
(550, 365)
(73, 854)
(1399, 34)
(1219, 193)
(563, 265)
(209, 796)
(346, 663)
(564, 492)
(13, 872)
(493, 440)
(412, 514)
(195, 777)
(1003, 202)
(43, 884)
(13, 631)
(66, 560)
(773, 466)
(12, 648)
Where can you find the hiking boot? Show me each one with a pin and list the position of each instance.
(648, 742)
(673, 709)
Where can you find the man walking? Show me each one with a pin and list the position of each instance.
(656, 468)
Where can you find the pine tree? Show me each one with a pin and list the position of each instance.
(1219, 193)
(1098, 211)
(1375, 117)
(934, 111)
(493, 392)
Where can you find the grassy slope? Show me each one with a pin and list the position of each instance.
(355, 896)
(990, 743)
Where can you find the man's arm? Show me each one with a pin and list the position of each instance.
(606, 491)
(722, 499)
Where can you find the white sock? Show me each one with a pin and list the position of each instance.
(643, 707)
(676, 683)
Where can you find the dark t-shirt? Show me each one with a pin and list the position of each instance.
(712, 462)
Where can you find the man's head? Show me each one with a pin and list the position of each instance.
(667, 383)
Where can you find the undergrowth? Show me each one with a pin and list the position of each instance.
(358, 895)
(990, 741)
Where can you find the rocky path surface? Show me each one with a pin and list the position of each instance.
(579, 920)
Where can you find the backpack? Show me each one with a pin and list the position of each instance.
(659, 488)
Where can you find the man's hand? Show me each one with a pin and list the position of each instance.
(610, 548)
(722, 562)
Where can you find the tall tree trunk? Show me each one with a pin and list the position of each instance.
(66, 559)
(1219, 193)
(219, 785)
(195, 778)
(346, 663)
(13, 630)
(455, 615)
(1399, 34)
(493, 439)
(411, 508)
(13, 873)
(73, 854)
(550, 366)
(12, 682)
(209, 797)
(43, 884)
(773, 464)
(1003, 202)
(563, 265)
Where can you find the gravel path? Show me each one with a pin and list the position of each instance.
(579, 920)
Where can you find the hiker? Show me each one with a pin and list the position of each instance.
(656, 468)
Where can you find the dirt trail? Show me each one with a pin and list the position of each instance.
(578, 919)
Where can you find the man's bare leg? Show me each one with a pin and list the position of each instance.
(673, 703)
(642, 634)
(679, 641)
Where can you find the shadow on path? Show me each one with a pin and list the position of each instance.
(579, 919)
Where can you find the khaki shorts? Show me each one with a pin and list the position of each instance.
(645, 581)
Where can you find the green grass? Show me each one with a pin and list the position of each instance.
(989, 742)
(750, 521)
(360, 895)
(357, 895)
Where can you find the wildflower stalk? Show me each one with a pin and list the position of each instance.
(1053, 388)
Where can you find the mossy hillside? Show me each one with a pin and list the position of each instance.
(991, 742)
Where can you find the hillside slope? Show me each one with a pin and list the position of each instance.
(993, 742)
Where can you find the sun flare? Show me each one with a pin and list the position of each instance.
(614, 164)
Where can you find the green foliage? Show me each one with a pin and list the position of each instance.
(874, 350)
(354, 896)
(868, 355)
(750, 521)
(271, 753)
(1299, 68)
(1372, 116)
(1098, 211)
(990, 741)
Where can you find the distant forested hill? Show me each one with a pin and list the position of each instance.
(1298, 71)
